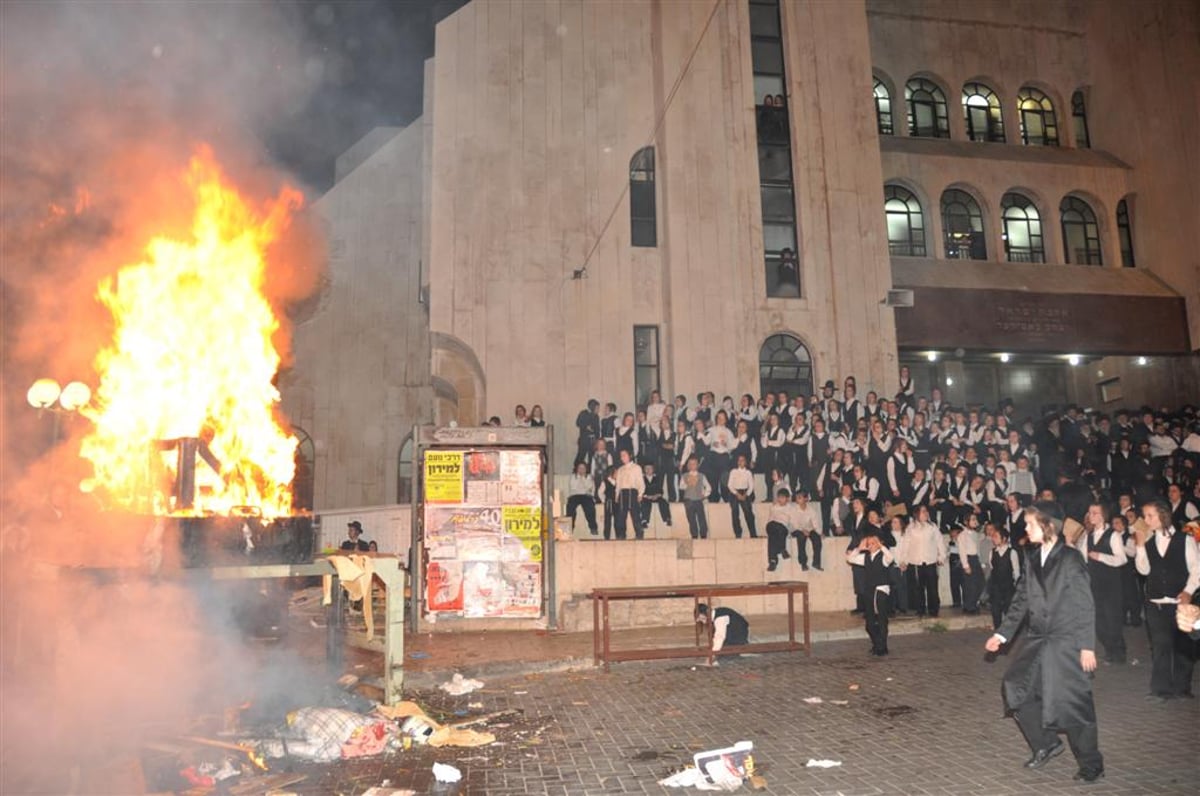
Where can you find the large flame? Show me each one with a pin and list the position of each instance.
(192, 357)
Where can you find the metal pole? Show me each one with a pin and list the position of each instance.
(335, 628)
(550, 587)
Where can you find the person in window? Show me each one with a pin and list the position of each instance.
(535, 417)
(520, 416)
(787, 275)
(766, 113)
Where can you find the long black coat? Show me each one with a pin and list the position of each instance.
(1057, 599)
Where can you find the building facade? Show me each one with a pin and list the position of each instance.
(599, 200)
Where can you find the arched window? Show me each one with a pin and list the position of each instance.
(1083, 140)
(1022, 229)
(304, 481)
(962, 223)
(643, 226)
(784, 364)
(404, 482)
(905, 224)
(1036, 111)
(1125, 232)
(926, 109)
(981, 108)
(1081, 233)
(883, 108)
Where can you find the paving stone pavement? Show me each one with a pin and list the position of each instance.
(926, 720)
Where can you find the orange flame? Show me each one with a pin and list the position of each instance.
(192, 356)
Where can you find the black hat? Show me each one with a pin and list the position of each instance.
(1051, 509)
(354, 524)
(829, 385)
(702, 609)
(593, 403)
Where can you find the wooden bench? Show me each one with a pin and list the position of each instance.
(602, 631)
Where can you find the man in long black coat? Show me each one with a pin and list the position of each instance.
(1049, 685)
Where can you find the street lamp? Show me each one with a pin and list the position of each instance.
(45, 395)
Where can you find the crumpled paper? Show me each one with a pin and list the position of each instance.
(692, 777)
(822, 763)
(459, 685)
(445, 773)
(442, 735)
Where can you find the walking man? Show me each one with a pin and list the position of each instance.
(1049, 685)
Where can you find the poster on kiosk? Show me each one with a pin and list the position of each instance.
(483, 532)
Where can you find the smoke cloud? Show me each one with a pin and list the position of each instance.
(103, 105)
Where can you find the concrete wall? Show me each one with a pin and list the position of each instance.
(361, 378)
(1136, 64)
(537, 109)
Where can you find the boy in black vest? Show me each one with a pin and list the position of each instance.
(874, 558)
(1006, 571)
(1169, 560)
(728, 627)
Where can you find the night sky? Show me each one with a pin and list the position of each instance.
(370, 56)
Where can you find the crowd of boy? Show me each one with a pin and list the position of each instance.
(915, 485)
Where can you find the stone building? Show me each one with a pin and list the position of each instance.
(597, 201)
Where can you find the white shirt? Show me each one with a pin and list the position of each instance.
(720, 439)
(1116, 555)
(741, 479)
(580, 485)
(780, 514)
(1190, 553)
(629, 476)
(968, 543)
(926, 545)
(654, 414)
(805, 518)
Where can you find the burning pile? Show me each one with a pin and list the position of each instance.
(191, 365)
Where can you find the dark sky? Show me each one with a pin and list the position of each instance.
(369, 55)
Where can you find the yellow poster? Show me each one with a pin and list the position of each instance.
(524, 522)
(444, 476)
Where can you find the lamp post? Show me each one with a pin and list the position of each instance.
(45, 395)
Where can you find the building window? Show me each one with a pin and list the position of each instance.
(773, 127)
(404, 482)
(883, 108)
(784, 365)
(962, 223)
(981, 108)
(643, 224)
(304, 482)
(1125, 232)
(905, 224)
(1038, 126)
(926, 109)
(645, 363)
(1083, 139)
(1022, 229)
(1081, 233)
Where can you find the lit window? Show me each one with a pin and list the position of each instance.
(981, 108)
(905, 223)
(962, 224)
(1022, 229)
(1038, 125)
(883, 108)
(926, 109)
(645, 363)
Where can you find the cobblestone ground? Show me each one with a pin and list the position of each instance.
(927, 720)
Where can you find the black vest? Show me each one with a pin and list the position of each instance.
(1102, 574)
(1169, 573)
(875, 572)
(1002, 571)
(738, 632)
